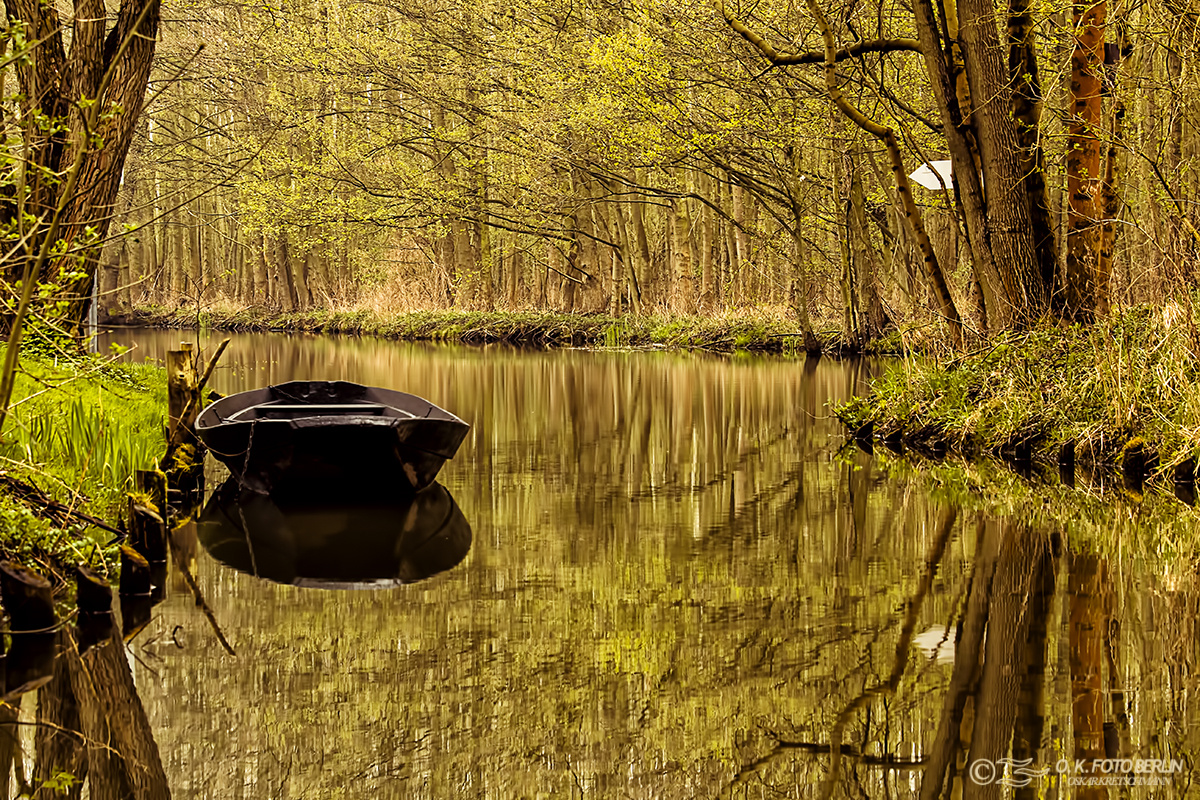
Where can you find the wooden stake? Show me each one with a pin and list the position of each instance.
(181, 384)
(92, 595)
(27, 599)
(29, 664)
(147, 532)
(135, 573)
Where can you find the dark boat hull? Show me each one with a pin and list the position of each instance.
(330, 437)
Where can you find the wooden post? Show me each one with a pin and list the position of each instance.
(184, 459)
(92, 595)
(158, 581)
(181, 384)
(92, 630)
(27, 599)
(153, 484)
(135, 573)
(147, 532)
(29, 664)
(135, 614)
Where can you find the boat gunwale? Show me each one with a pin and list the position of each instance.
(392, 399)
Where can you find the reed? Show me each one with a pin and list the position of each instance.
(80, 429)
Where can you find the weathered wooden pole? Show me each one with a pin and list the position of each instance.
(135, 614)
(93, 597)
(147, 532)
(28, 599)
(29, 664)
(153, 484)
(181, 383)
(184, 459)
(135, 573)
(92, 594)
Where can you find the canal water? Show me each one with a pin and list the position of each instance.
(678, 583)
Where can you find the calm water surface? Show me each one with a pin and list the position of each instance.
(675, 587)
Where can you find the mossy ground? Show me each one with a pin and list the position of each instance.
(1093, 389)
(766, 331)
(79, 428)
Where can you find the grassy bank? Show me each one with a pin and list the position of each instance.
(1125, 388)
(78, 430)
(763, 332)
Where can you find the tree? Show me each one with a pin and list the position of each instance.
(75, 121)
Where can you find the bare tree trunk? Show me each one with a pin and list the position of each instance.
(1083, 160)
(707, 293)
(742, 214)
(683, 253)
(284, 280)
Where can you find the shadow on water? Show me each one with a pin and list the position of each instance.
(335, 546)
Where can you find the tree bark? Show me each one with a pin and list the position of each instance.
(1083, 161)
(52, 80)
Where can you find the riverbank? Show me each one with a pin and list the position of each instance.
(78, 430)
(764, 333)
(1125, 391)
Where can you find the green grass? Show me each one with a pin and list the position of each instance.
(1135, 374)
(79, 429)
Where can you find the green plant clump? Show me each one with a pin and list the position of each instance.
(81, 428)
(1086, 390)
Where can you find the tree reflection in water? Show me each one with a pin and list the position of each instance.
(679, 586)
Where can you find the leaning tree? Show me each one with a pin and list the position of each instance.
(82, 82)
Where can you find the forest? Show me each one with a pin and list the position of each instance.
(688, 158)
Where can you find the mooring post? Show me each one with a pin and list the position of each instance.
(92, 594)
(135, 573)
(93, 597)
(29, 664)
(153, 484)
(181, 386)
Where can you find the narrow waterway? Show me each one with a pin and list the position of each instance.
(677, 584)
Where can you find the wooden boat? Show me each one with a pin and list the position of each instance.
(313, 544)
(331, 437)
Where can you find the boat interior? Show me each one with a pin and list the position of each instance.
(287, 410)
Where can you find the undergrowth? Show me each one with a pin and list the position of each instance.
(1089, 389)
(759, 332)
(79, 429)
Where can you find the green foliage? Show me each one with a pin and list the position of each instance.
(26, 539)
(85, 425)
(1134, 374)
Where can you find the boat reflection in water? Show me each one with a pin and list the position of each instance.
(360, 545)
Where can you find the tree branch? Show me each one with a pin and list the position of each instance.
(815, 56)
